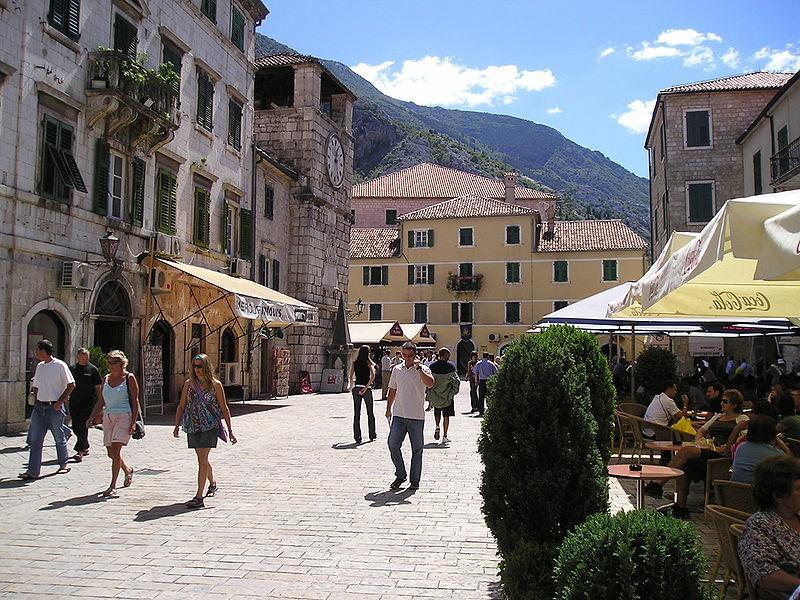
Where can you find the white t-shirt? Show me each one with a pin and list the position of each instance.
(51, 379)
(660, 411)
(386, 363)
(409, 400)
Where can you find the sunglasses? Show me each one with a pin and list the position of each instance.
(196, 366)
(725, 401)
(114, 361)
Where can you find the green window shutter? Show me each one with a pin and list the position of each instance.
(245, 233)
(102, 156)
(74, 178)
(410, 274)
(209, 9)
(201, 98)
(202, 209)
(125, 34)
(209, 108)
(173, 204)
(430, 274)
(385, 275)
(137, 207)
(73, 18)
(166, 203)
(173, 56)
(263, 270)
(234, 124)
(224, 236)
(57, 16)
(276, 275)
(757, 187)
(454, 312)
(365, 272)
(205, 100)
(49, 178)
(197, 233)
(410, 239)
(237, 28)
(430, 238)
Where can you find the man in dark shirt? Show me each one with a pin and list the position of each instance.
(81, 402)
(473, 383)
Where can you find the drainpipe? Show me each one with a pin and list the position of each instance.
(771, 149)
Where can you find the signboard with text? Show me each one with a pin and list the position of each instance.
(270, 311)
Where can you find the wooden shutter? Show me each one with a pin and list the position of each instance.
(102, 156)
(209, 106)
(263, 270)
(276, 275)
(173, 203)
(385, 275)
(57, 16)
(74, 178)
(137, 206)
(237, 28)
(235, 124)
(173, 56)
(73, 18)
(454, 312)
(410, 239)
(410, 274)
(245, 233)
(202, 209)
(125, 34)
(225, 228)
(366, 275)
(430, 274)
(430, 238)
(205, 100)
(166, 203)
(209, 9)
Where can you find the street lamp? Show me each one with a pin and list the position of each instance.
(109, 243)
(359, 306)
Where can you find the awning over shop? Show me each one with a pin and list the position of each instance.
(417, 333)
(377, 332)
(251, 300)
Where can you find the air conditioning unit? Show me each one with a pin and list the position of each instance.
(74, 275)
(230, 373)
(494, 337)
(236, 266)
(160, 281)
(168, 245)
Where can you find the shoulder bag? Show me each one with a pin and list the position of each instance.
(138, 430)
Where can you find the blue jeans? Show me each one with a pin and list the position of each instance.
(44, 418)
(414, 428)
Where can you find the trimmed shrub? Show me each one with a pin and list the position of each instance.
(655, 367)
(98, 358)
(543, 470)
(635, 555)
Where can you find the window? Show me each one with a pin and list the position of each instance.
(701, 201)
(205, 100)
(263, 270)
(228, 233)
(391, 217)
(512, 272)
(172, 55)
(420, 312)
(610, 270)
(420, 238)
(462, 312)
(697, 128)
(783, 161)
(375, 312)
(465, 270)
(234, 124)
(276, 275)
(466, 237)
(269, 202)
(201, 235)
(125, 34)
(116, 185)
(662, 136)
(560, 271)
(376, 275)
(59, 169)
(166, 201)
(237, 27)
(198, 341)
(64, 15)
(209, 9)
(757, 186)
(559, 304)
(512, 312)
(665, 210)
(245, 234)
(512, 235)
(420, 274)
(137, 208)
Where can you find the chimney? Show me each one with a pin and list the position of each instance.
(510, 181)
(551, 220)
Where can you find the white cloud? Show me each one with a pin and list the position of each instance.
(731, 58)
(433, 80)
(648, 52)
(554, 111)
(608, 51)
(637, 118)
(779, 60)
(700, 56)
(685, 37)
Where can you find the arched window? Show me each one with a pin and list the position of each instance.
(112, 301)
(228, 349)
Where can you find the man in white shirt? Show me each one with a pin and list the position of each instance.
(663, 409)
(53, 383)
(386, 371)
(405, 409)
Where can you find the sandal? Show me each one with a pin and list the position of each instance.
(27, 477)
(109, 493)
(195, 503)
(128, 479)
(436, 434)
(78, 457)
(62, 469)
(212, 490)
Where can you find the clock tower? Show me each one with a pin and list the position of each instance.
(303, 121)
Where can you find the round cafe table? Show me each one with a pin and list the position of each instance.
(664, 446)
(648, 472)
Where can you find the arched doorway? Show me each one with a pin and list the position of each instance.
(463, 350)
(45, 325)
(227, 347)
(113, 312)
(163, 336)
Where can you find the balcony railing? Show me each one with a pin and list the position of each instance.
(786, 162)
(464, 283)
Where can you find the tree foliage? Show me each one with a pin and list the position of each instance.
(655, 367)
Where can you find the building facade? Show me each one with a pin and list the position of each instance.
(695, 163)
(481, 271)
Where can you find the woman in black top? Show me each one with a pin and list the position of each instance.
(364, 375)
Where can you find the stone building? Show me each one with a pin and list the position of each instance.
(97, 135)
(695, 164)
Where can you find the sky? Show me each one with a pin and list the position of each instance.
(590, 69)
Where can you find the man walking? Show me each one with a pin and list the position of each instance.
(406, 400)
(81, 401)
(473, 383)
(386, 371)
(52, 383)
(441, 396)
(482, 371)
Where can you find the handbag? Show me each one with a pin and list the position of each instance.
(138, 428)
(684, 425)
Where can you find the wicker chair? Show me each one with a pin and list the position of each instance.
(735, 495)
(626, 435)
(722, 519)
(716, 468)
(662, 432)
(736, 530)
(632, 408)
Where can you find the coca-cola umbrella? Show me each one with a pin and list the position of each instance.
(704, 278)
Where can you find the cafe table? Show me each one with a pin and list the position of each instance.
(648, 473)
(664, 446)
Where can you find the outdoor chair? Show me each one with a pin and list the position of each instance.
(722, 518)
(662, 432)
(736, 530)
(794, 446)
(716, 468)
(632, 408)
(626, 435)
(735, 495)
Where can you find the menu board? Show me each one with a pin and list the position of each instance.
(280, 372)
(153, 378)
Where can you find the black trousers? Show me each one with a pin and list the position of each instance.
(473, 395)
(80, 410)
(481, 395)
(367, 398)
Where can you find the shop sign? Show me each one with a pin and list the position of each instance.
(706, 346)
(273, 312)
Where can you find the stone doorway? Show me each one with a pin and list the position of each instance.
(463, 350)
(162, 335)
(112, 311)
(45, 325)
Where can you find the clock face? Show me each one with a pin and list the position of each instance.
(335, 160)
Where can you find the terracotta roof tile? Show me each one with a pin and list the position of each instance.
(374, 242)
(759, 80)
(428, 180)
(467, 206)
(283, 60)
(586, 236)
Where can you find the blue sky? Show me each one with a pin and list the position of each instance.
(589, 69)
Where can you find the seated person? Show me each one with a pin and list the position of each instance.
(714, 398)
(692, 459)
(663, 410)
(790, 421)
(770, 546)
(762, 443)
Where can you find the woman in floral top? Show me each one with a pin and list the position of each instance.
(201, 410)
(770, 546)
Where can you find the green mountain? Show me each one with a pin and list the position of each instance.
(392, 134)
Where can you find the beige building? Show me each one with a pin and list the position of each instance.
(481, 271)
(770, 146)
(695, 163)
